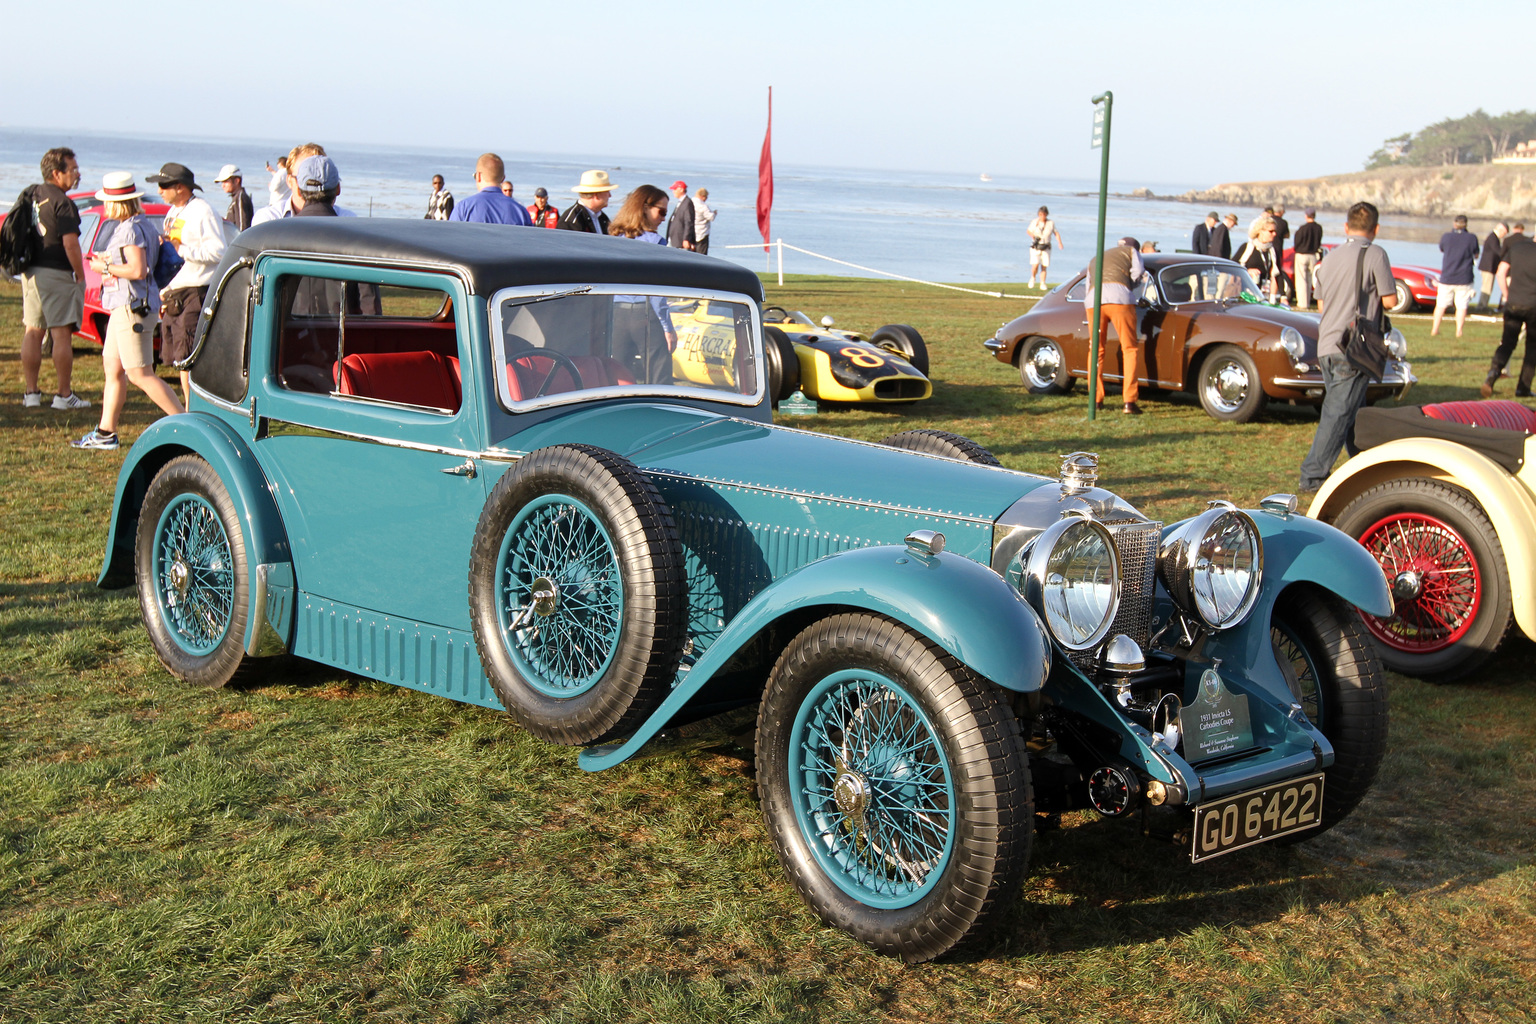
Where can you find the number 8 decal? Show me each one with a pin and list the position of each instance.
(861, 357)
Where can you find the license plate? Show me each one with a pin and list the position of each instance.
(1257, 816)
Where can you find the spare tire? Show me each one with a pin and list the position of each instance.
(783, 365)
(903, 340)
(577, 594)
(944, 444)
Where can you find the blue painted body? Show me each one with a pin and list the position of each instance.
(368, 534)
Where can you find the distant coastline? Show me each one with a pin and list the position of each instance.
(1481, 191)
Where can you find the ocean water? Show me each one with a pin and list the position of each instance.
(937, 227)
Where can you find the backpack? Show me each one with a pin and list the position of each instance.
(167, 264)
(18, 240)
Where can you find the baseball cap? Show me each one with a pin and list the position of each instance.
(541, 192)
(680, 184)
(226, 172)
(1130, 242)
(316, 174)
(174, 174)
(1310, 211)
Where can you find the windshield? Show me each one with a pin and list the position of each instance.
(575, 343)
(1207, 282)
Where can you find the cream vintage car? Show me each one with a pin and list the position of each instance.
(1444, 498)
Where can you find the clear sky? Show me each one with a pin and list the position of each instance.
(1205, 92)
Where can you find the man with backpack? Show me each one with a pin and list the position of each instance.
(197, 232)
(53, 281)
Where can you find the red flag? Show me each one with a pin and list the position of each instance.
(765, 176)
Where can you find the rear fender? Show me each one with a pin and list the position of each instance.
(266, 541)
(1506, 501)
(962, 606)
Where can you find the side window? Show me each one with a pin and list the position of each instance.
(89, 219)
(355, 340)
(1077, 291)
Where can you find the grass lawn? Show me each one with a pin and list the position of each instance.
(324, 848)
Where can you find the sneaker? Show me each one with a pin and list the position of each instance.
(97, 440)
(31, 399)
(69, 402)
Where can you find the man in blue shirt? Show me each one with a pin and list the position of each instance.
(489, 205)
(1459, 249)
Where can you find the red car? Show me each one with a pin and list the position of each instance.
(95, 235)
(1416, 286)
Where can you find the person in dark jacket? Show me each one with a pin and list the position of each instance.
(1200, 242)
(586, 214)
(1517, 283)
(1488, 266)
(680, 224)
(1221, 238)
(240, 208)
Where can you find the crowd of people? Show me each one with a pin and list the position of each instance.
(143, 291)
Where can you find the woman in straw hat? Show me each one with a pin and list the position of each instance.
(128, 291)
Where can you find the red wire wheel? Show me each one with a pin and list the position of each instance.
(1446, 570)
(1435, 582)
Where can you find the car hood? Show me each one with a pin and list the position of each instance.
(1306, 323)
(739, 453)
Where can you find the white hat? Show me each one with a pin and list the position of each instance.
(118, 187)
(226, 172)
(594, 181)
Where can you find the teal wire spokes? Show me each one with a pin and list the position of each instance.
(194, 573)
(873, 793)
(1296, 663)
(564, 640)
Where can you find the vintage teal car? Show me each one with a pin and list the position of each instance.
(480, 463)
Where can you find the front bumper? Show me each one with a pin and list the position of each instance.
(1396, 383)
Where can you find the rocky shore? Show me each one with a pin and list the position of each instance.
(1481, 191)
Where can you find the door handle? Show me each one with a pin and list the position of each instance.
(467, 468)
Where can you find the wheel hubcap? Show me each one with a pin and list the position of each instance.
(1407, 586)
(851, 792)
(1229, 385)
(1044, 363)
(180, 578)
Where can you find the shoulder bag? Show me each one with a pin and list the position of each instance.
(1365, 340)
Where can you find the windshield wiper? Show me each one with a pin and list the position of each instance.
(530, 300)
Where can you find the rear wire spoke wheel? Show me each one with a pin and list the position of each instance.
(577, 594)
(192, 577)
(894, 785)
(1334, 674)
(1445, 567)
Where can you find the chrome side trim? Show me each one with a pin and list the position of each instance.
(215, 400)
(265, 640)
(287, 428)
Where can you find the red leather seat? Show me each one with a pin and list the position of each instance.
(1498, 414)
(413, 378)
(527, 372)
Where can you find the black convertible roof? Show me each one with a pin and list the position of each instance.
(496, 256)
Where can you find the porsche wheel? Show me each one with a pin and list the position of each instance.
(1405, 300)
(1335, 676)
(904, 341)
(1043, 367)
(1230, 387)
(193, 581)
(1443, 561)
(942, 443)
(783, 365)
(894, 784)
(577, 595)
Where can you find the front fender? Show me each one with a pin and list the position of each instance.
(1507, 503)
(266, 541)
(962, 606)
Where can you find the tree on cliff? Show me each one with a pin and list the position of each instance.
(1476, 138)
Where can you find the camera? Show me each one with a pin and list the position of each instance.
(139, 307)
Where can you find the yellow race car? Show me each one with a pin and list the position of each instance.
(890, 365)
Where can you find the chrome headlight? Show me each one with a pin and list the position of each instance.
(1072, 578)
(1397, 345)
(1291, 340)
(1213, 565)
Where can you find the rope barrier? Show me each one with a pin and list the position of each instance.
(782, 245)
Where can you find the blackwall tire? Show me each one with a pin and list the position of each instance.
(1447, 570)
(1334, 673)
(783, 365)
(192, 578)
(895, 786)
(903, 340)
(942, 443)
(577, 595)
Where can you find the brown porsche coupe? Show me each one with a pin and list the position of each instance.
(1204, 328)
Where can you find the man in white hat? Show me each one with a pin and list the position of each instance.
(240, 207)
(586, 214)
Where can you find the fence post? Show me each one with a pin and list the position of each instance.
(781, 262)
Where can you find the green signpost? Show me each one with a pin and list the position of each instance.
(1102, 104)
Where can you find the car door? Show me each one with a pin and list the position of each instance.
(371, 447)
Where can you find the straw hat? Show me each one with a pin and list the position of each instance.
(594, 181)
(118, 187)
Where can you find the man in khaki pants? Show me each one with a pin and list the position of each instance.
(53, 289)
